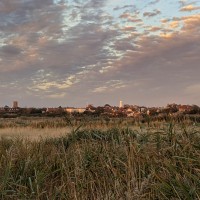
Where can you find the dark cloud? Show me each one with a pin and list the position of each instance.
(124, 45)
(94, 4)
(8, 6)
(125, 7)
(152, 14)
(10, 50)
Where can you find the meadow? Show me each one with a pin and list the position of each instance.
(102, 158)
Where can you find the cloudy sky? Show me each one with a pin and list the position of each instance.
(74, 52)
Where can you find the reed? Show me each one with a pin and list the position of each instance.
(149, 162)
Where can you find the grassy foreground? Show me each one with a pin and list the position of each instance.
(117, 163)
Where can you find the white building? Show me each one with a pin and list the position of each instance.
(75, 110)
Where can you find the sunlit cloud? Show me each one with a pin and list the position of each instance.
(190, 8)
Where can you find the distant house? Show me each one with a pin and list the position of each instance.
(151, 111)
(7, 109)
(142, 109)
(54, 110)
(90, 109)
(13, 110)
(75, 110)
(185, 108)
(131, 114)
(129, 110)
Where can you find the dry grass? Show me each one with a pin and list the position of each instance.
(156, 161)
(33, 133)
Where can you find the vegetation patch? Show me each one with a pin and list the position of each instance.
(117, 163)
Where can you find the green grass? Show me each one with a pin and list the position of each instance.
(117, 163)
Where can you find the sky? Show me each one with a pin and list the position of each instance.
(78, 52)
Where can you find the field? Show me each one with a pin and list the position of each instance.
(68, 158)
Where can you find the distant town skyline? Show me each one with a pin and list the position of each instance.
(74, 52)
(121, 104)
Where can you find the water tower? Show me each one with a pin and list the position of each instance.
(120, 104)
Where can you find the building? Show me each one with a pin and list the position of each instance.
(55, 110)
(120, 104)
(75, 110)
(15, 104)
(185, 108)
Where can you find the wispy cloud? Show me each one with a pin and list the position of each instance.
(110, 86)
(154, 2)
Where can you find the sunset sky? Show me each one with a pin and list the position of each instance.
(74, 52)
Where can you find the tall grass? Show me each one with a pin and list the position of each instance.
(117, 163)
(87, 122)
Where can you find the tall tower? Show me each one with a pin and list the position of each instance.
(120, 104)
(15, 104)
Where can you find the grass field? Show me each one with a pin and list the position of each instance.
(33, 133)
(100, 160)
